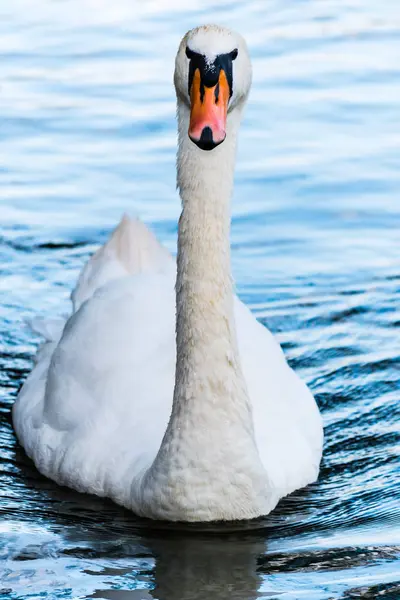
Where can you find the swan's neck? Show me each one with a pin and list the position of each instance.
(208, 465)
(208, 379)
(205, 328)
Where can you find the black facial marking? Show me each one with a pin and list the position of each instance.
(202, 91)
(189, 52)
(209, 72)
(216, 93)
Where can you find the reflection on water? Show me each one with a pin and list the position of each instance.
(88, 131)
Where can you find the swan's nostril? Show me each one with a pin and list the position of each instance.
(206, 141)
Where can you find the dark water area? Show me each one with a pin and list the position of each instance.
(88, 132)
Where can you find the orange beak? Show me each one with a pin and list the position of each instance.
(209, 106)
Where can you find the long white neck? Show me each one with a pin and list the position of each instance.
(205, 327)
(209, 442)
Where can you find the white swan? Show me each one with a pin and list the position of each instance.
(95, 413)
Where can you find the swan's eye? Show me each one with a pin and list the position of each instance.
(189, 53)
(234, 54)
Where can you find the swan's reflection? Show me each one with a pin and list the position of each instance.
(212, 567)
(181, 564)
(199, 567)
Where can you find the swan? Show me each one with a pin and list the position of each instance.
(162, 391)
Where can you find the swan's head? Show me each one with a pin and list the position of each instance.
(213, 78)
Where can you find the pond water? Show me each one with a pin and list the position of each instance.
(88, 132)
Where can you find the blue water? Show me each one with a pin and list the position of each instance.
(87, 132)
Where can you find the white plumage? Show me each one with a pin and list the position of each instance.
(93, 414)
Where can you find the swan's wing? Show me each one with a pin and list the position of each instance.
(287, 422)
(131, 249)
(93, 410)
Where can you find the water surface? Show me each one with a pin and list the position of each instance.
(88, 132)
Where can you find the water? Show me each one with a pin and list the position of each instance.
(87, 132)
